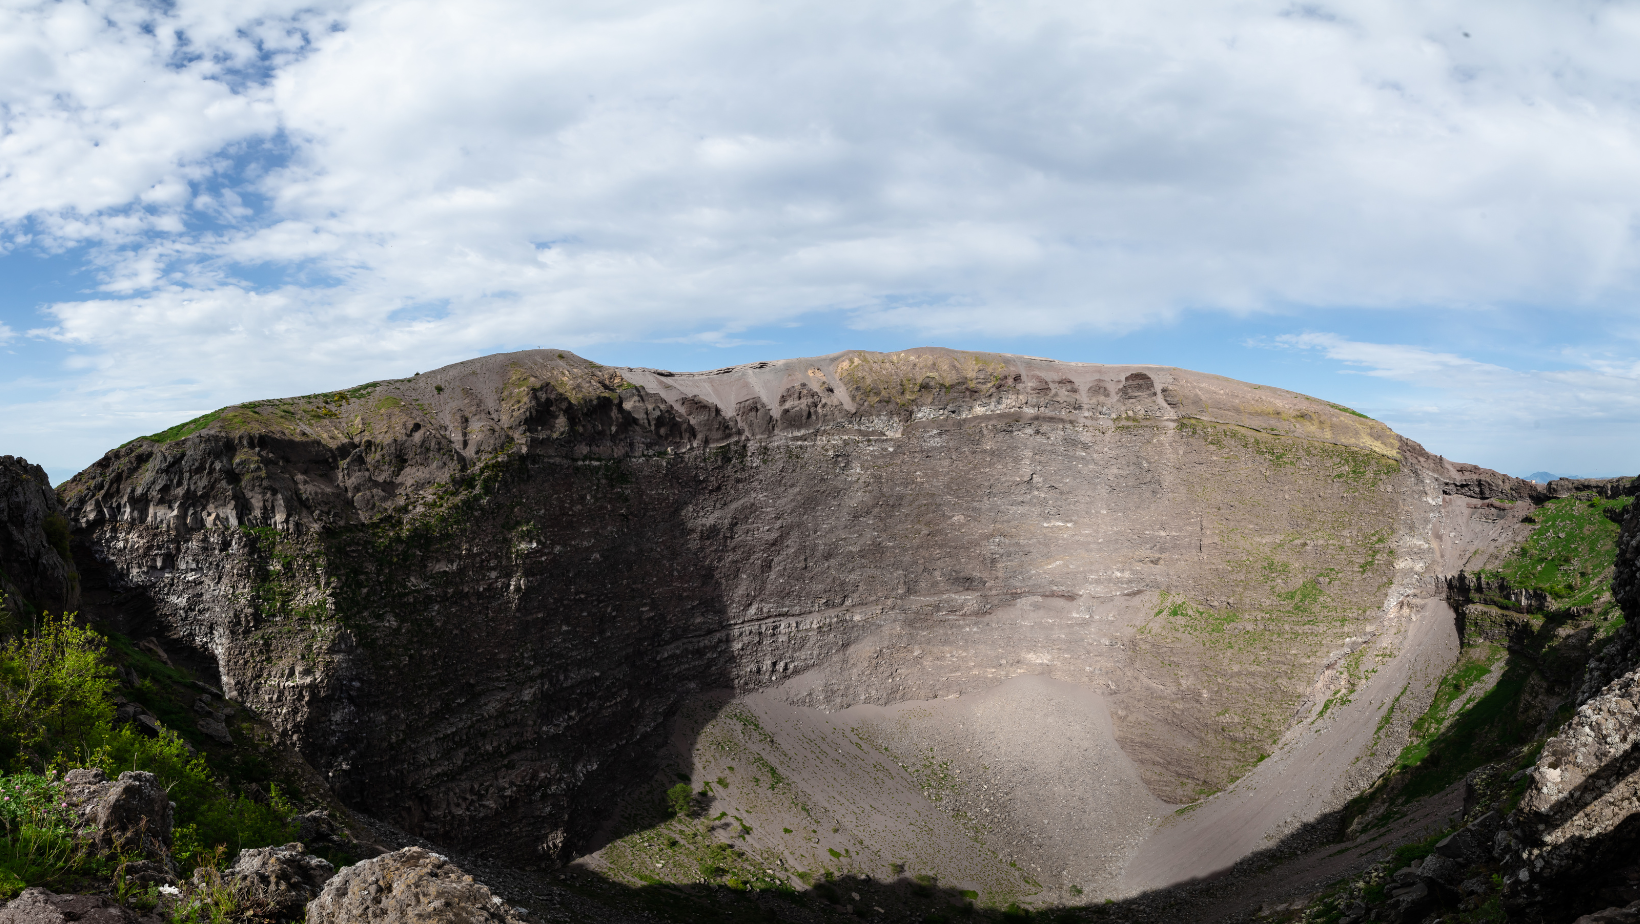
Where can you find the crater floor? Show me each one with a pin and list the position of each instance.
(1020, 792)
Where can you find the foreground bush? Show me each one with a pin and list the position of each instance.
(56, 713)
(38, 846)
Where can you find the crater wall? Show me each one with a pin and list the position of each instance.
(474, 597)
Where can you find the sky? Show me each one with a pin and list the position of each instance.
(1428, 211)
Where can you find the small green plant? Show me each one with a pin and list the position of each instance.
(209, 898)
(55, 691)
(680, 799)
(38, 846)
(1417, 850)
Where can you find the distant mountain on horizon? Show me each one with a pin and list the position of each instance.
(1546, 477)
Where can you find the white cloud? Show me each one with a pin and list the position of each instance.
(111, 109)
(382, 185)
(1581, 418)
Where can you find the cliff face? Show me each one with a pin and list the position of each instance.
(1570, 845)
(474, 597)
(36, 568)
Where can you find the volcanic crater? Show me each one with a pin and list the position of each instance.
(1038, 631)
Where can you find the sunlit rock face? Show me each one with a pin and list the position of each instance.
(474, 597)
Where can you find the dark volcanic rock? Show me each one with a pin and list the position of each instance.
(1629, 914)
(409, 886)
(473, 598)
(36, 567)
(38, 906)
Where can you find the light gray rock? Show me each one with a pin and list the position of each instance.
(280, 880)
(131, 813)
(409, 886)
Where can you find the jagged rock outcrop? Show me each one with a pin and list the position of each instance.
(409, 886)
(36, 566)
(1578, 824)
(1603, 487)
(474, 597)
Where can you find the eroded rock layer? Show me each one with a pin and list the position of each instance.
(473, 597)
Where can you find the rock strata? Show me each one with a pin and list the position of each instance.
(409, 886)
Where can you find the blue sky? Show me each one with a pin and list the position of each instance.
(1427, 211)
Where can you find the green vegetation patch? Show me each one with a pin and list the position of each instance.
(57, 689)
(183, 430)
(1536, 653)
(1571, 553)
(1347, 410)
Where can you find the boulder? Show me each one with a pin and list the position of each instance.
(409, 886)
(213, 717)
(1410, 903)
(1471, 843)
(279, 881)
(37, 906)
(1443, 871)
(1629, 914)
(130, 813)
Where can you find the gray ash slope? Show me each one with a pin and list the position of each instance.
(474, 598)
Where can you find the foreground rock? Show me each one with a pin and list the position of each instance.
(132, 814)
(278, 882)
(409, 886)
(38, 906)
(1629, 914)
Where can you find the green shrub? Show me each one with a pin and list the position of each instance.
(37, 846)
(55, 692)
(56, 530)
(207, 816)
(56, 711)
(680, 799)
(208, 898)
